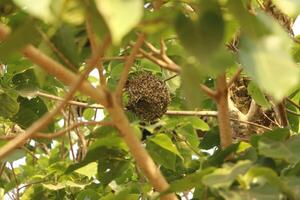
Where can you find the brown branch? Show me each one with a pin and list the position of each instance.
(141, 156)
(223, 111)
(281, 112)
(209, 92)
(188, 113)
(234, 77)
(129, 62)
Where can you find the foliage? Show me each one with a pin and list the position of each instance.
(205, 38)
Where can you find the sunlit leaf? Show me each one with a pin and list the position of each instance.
(119, 16)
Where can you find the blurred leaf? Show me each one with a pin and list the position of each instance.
(88, 113)
(15, 155)
(197, 123)
(40, 9)
(21, 36)
(119, 16)
(211, 139)
(64, 41)
(89, 170)
(264, 192)
(111, 165)
(279, 134)
(257, 95)
(9, 105)
(286, 150)
(263, 59)
(199, 36)
(225, 176)
(191, 78)
(88, 194)
(289, 7)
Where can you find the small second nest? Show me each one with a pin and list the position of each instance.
(148, 96)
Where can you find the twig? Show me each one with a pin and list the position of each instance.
(129, 62)
(69, 134)
(281, 111)
(209, 92)
(171, 77)
(234, 77)
(292, 112)
(62, 132)
(293, 103)
(76, 103)
(252, 111)
(188, 113)
(16, 180)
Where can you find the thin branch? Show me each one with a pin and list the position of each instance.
(188, 113)
(120, 57)
(209, 92)
(16, 180)
(62, 132)
(75, 103)
(252, 111)
(293, 103)
(234, 77)
(281, 111)
(129, 62)
(292, 112)
(223, 111)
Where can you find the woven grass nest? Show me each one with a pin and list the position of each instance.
(148, 96)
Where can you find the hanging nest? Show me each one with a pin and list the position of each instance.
(148, 96)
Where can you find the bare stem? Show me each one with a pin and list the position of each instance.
(223, 111)
(129, 62)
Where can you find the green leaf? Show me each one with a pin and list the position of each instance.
(21, 36)
(40, 9)
(191, 78)
(65, 42)
(257, 95)
(197, 123)
(285, 150)
(111, 165)
(225, 176)
(165, 142)
(263, 59)
(161, 155)
(26, 82)
(264, 192)
(120, 16)
(189, 133)
(203, 36)
(88, 113)
(9, 105)
(88, 194)
(279, 134)
(15, 155)
(189, 182)
(89, 170)
(30, 111)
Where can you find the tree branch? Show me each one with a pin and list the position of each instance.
(223, 112)
(129, 62)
